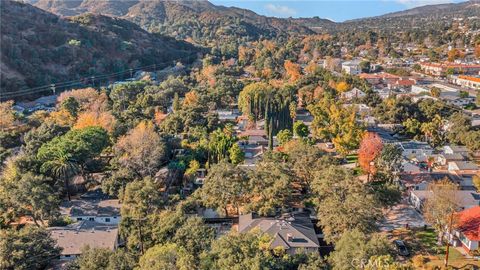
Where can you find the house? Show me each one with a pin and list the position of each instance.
(351, 67)
(74, 237)
(465, 199)
(354, 93)
(93, 206)
(466, 231)
(467, 81)
(227, 115)
(462, 166)
(456, 149)
(402, 84)
(444, 159)
(415, 148)
(293, 233)
(440, 69)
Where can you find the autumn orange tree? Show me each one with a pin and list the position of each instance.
(370, 147)
(292, 70)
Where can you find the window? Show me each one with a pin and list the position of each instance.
(79, 218)
(107, 219)
(91, 219)
(115, 217)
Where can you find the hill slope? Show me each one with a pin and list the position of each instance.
(39, 48)
(199, 19)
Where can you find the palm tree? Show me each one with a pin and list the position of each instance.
(62, 167)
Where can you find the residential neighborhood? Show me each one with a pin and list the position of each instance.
(195, 135)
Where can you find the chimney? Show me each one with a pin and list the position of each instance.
(289, 237)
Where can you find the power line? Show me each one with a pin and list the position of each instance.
(89, 80)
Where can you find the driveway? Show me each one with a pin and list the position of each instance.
(399, 216)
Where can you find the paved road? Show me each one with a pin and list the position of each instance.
(400, 215)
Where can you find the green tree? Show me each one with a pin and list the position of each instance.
(284, 136)
(166, 256)
(194, 236)
(460, 124)
(33, 196)
(176, 103)
(28, 248)
(237, 156)
(412, 127)
(71, 105)
(433, 131)
(441, 205)
(389, 162)
(140, 199)
(94, 258)
(300, 129)
(343, 203)
(60, 166)
(435, 92)
(104, 259)
(354, 249)
(225, 185)
(269, 187)
(63, 155)
(236, 251)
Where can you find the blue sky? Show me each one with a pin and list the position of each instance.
(336, 10)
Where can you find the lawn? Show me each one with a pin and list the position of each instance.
(351, 158)
(424, 242)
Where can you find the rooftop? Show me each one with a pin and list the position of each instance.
(74, 237)
(98, 208)
(287, 231)
(468, 222)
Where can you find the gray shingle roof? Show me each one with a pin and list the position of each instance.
(74, 237)
(287, 232)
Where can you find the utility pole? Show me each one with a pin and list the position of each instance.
(448, 239)
(52, 86)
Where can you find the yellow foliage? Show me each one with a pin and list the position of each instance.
(311, 67)
(7, 117)
(84, 97)
(342, 87)
(62, 118)
(292, 70)
(191, 98)
(100, 119)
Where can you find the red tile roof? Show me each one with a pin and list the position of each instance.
(468, 222)
(470, 78)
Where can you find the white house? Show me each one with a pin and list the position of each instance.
(465, 199)
(100, 211)
(354, 93)
(466, 232)
(455, 149)
(462, 166)
(412, 149)
(351, 67)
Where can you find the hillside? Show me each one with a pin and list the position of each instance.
(426, 18)
(39, 48)
(468, 8)
(198, 20)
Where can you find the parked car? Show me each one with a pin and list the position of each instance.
(401, 248)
